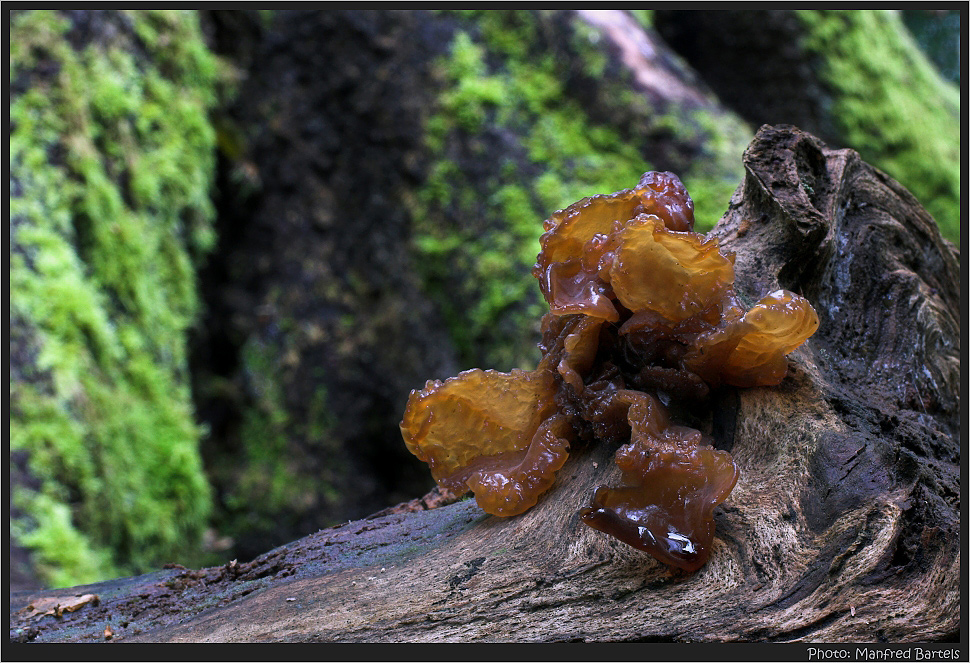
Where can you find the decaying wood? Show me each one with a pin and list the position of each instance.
(844, 525)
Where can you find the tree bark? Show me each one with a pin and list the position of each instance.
(844, 525)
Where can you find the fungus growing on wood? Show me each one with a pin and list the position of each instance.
(643, 313)
(498, 434)
(674, 480)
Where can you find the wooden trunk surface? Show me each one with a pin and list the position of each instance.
(844, 525)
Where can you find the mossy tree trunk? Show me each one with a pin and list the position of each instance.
(856, 78)
(844, 525)
(111, 164)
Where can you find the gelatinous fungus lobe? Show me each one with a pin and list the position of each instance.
(642, 310)
(497, 434)
(750, 349)
(675, 274)
(575, 261)
(673, 480)
(772, 329)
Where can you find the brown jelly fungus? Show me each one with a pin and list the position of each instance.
(642, 315)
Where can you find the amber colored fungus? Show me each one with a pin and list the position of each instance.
(642, 312)
(495, 433)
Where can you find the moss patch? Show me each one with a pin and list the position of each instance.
(111, 159)
(891, 105)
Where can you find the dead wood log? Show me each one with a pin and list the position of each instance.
(844, 525)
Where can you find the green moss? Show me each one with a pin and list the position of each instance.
(111, 160)
(271, 484)
(891, 105)
(478, 221)
(63, 556)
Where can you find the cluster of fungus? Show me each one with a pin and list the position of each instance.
(643, 316)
